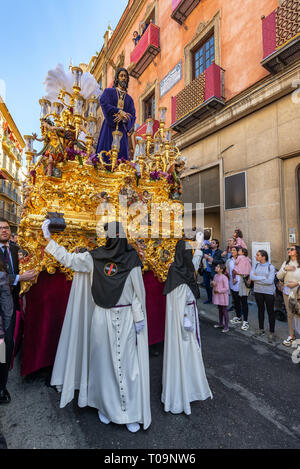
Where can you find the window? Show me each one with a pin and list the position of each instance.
(149, 107)
(203, 57)
(149, 19)
(235, 191)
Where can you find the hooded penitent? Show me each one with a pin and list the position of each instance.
(182, 270)
(112, 265)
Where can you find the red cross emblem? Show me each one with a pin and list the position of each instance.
(110, 269)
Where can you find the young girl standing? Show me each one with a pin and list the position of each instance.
(220, 296)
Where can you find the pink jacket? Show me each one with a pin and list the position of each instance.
(240, 242)
(222, 287)
(242, 265)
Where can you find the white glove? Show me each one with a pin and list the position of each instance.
(45, 228)
(139, 326)
(200, 237)
(188, 326)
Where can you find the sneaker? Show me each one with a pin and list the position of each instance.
(236, 320)
(217, 326)
(260, 332)
(288, 342)
(225, 330)
(245, 326)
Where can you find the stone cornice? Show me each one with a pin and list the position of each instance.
(256, 98)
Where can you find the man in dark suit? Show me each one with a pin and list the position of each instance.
(9, 257)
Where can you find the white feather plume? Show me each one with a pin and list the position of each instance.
(57, 80)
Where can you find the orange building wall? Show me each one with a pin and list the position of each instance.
(240, 45)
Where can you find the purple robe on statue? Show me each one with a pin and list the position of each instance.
(109, 105)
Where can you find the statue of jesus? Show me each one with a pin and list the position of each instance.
(118, 109)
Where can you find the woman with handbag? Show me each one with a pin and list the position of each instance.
(289, 275)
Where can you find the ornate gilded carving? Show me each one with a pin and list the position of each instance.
(90, 190)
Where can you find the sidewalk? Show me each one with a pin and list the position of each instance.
(210, 313)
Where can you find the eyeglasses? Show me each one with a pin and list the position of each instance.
(291, 249)
(5, 228)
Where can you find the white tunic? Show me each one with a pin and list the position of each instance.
(184, 379)
(99, 352)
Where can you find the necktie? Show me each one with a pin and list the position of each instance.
(7, 260)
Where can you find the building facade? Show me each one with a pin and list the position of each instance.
(11, 148)
(229, 74)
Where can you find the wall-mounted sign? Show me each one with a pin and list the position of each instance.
(256, 246)
(171, 79)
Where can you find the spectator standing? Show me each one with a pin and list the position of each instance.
(215, 258)
(9, 258)
(206, 241)
(220, 296)
(14, 239)
(144, 26)
(289, 275)
(136, 37)
(211, 262)
(207, 251)
(6, 316)
(242, 269)
(230, 244)
(238, 236)
(263, 275)
(234, 285)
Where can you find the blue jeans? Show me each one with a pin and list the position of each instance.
(206, 281)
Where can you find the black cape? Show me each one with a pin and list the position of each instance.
(112, 265)
(182, 270)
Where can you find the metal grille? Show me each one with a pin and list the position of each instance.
(191, 96)
(202, 187)
(287, 21)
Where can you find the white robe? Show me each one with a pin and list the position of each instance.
(184, 379)
(99, 352)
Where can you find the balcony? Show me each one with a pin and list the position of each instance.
(181, 9)
(9, 216)
(281, 36)
(199, 99)
(146, 49)
(5, 188)
(141, 131)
